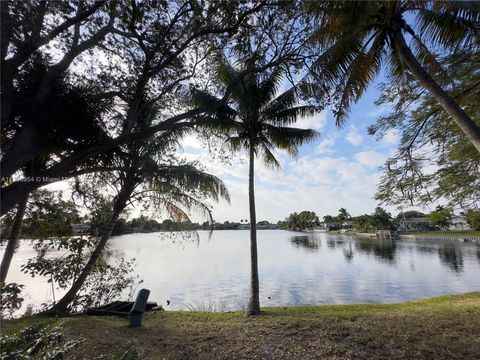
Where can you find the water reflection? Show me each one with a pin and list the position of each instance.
(335, 242)
(451, 255)
(307, 242)
(348, 252)
(382, 249)
(295, 268)
(425, 249)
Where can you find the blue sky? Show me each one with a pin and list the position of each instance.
(339, 169)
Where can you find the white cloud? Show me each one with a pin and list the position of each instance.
(320, 184)
(317, 121)
(325, 146)
(370, 158)
(391, 137)
(353, 136)
(379, 110)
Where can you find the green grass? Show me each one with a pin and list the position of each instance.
(446, 327)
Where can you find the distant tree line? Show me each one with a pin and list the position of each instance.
(441, 218)
(300, 221)
(144, 224)
(380, 219)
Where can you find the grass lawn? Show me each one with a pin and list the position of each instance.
(445, 327)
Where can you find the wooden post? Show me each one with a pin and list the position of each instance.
(138, 308)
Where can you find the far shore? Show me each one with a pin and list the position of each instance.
(420, 234)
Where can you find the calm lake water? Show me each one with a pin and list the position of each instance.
(295, 269)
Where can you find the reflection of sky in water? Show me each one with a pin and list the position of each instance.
(295, 269)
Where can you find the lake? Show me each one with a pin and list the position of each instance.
(295, 269)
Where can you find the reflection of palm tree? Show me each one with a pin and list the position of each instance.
(257, 122)
(382, 249)
(361, 36)
(348, 253)
(309, 243)
(451, 256)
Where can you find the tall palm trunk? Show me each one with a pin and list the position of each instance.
(466, 124)
(61, 307)
(253, 307)
(13, 239)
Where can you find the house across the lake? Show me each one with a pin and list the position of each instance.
(458, 223)
(415, 224)
(80, 228)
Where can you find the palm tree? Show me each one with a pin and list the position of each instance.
(144, 170)
(343, 215)
(361, 36)
(256, 121)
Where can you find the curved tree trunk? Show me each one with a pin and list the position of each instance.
(253, 307)
(466, 124)
(13, 239)
(61, 307)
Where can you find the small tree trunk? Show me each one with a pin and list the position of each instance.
(61, 307)
(253, 307)
(466, 124)
(13, 239)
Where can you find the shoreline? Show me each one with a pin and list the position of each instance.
(473, 236)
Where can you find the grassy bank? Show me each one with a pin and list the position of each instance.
(445, 327)
(339, 232)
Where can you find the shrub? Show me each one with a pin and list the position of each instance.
(473, 219)
(10, 299)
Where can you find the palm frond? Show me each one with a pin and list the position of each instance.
(188, 178)
(429, 60)
(210, 104)
(338, 18)
(359, 75)
(237, 143)
(175, 201)
(450, 24)
(268, 87)
(290, 115)
(268, 158)
(217, 124)
(333, 64)
(176, 212)
(233, 79)
(288, 138)
(284, 101)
